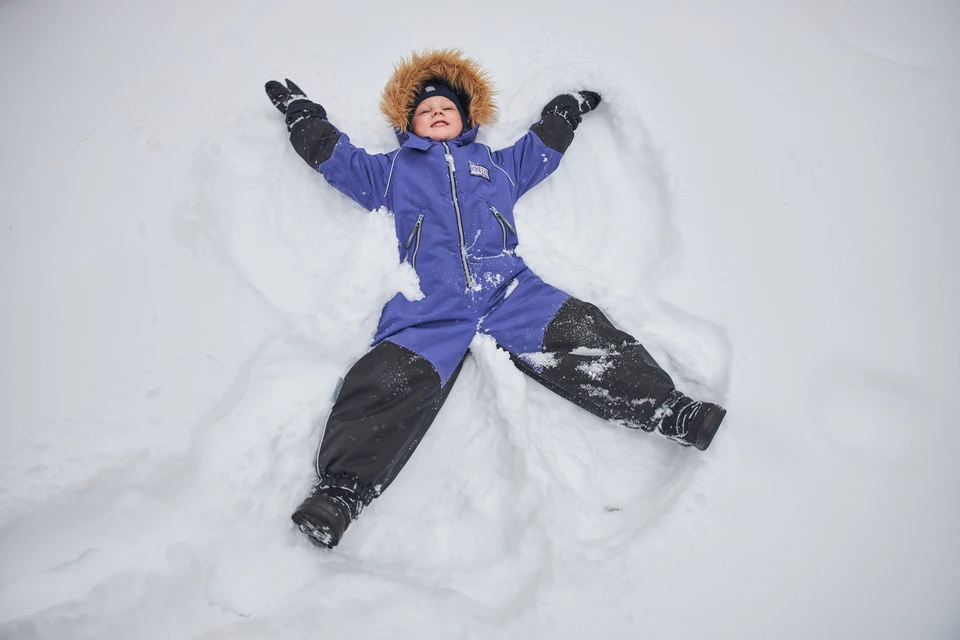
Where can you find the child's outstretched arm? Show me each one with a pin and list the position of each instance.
(536, 155)
(353, 171)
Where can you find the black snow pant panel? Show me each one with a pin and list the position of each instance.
(388, 400)
(600, 368)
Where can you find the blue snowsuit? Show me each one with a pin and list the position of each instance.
(453, 208)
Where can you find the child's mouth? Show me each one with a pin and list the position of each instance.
(440, 123)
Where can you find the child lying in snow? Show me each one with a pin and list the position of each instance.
(452, 199)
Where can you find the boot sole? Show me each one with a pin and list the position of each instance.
(321, 535)
(711, 423)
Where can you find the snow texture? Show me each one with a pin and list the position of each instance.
(766, 198)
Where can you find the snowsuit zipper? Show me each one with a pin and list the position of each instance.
(456, 206)
(504, 225)
(417, 228)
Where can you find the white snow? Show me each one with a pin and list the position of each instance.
(594, 353)
(767, 198)
(598, 365)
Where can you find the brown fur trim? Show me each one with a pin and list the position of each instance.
(450, 65)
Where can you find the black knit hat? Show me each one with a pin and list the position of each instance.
(438, 88)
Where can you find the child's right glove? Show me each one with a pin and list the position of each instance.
(572, 106)
(293, 102)
(311, 135)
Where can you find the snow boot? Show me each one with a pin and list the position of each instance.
(690, 422)
(706, 422)
(326, 514)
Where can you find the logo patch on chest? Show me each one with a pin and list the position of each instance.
(479, 170)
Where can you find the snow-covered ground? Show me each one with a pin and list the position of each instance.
(768, 197)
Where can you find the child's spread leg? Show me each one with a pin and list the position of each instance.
(610, 374)
(607, 372)
(389, 399)
(600, 368)
(579, 354)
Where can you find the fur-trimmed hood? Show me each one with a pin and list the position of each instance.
(471, 83)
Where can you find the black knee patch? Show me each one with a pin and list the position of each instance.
(581, 324)
(620, 381)
(389, 399)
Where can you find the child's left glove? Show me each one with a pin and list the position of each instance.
(572, 106)
(293, 102)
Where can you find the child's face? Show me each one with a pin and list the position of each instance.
(437, 118)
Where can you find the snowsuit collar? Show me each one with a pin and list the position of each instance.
(411, 140)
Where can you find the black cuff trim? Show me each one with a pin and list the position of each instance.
(554, 131)
(314, 140)
(350, 484)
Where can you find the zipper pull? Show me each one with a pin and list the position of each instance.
(502, 219)
(413, 233)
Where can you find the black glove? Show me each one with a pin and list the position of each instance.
(572, 106)
(292, 101)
